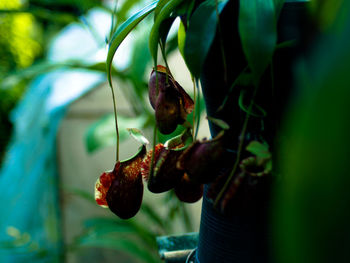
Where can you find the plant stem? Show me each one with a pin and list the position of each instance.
(195, 104)
(116, 121)
(153, 152)
(239, 151)
(198, 114)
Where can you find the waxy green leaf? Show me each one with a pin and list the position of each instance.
(257, 29)
(159, 7)
(201, 33)
(155, 35)
(121, 33)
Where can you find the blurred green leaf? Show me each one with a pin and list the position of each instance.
(151, 213)
(44, 14)
(102, 133)
(257, 29)
(102, 226)
(121, 33)
(326, 13)
(200, 34)
(155, 34)
(15, 77)
(278, 6)
(313, 199)
(88, 196)
(122, 244)
(123, 11)
(113, 228)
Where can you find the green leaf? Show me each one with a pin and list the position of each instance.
(164, 14)
(257, 29)
(159, 7)
(165, 28)
(138, 136)
(313, 198)
(259, 149)
(121, 33)
(200, 34)
(220, 123)
(123, 11)
(102, 133)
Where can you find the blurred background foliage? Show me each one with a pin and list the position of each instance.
(19, 46)
(312, 206)
(28, 29)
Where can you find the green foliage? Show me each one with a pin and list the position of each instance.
(122, 32)
(131, 236)
(313, 204)
(201, 33)
(156, 31)
(257, 29)
(160, 5)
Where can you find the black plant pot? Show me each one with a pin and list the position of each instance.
(244, 236)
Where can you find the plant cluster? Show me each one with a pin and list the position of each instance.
(185, 163)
